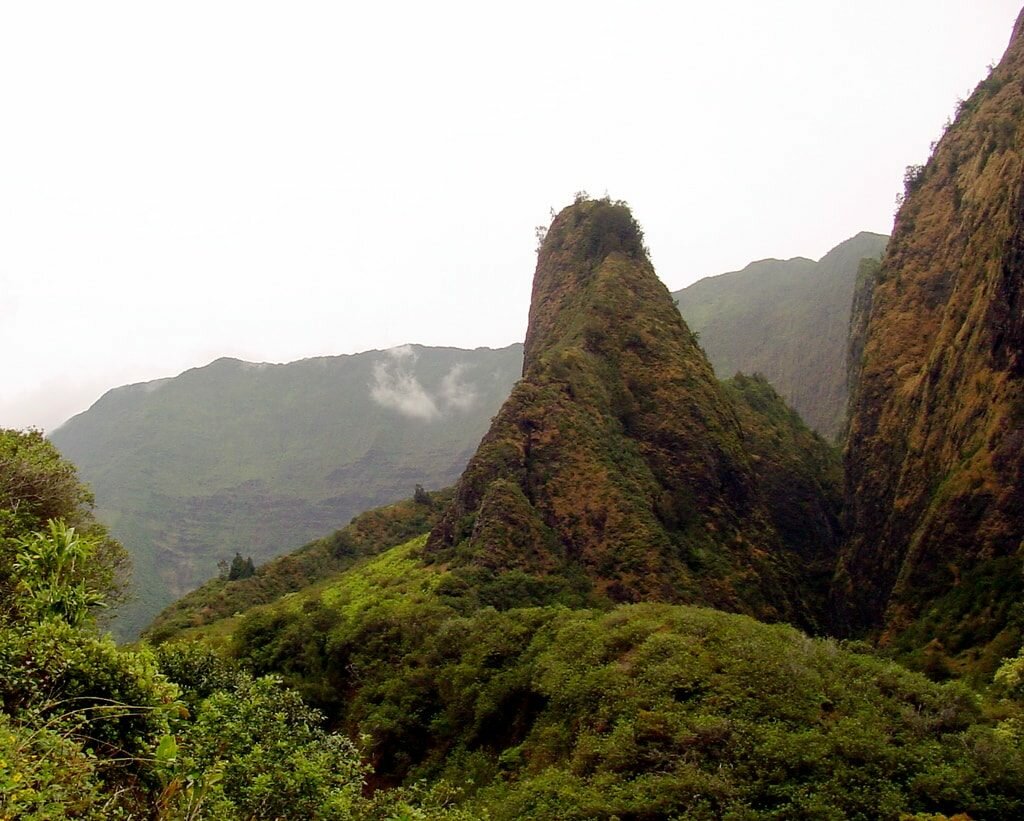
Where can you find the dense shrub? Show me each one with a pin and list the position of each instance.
(644, 711)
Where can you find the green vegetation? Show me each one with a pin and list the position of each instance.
(90, 731)
(40, 490)
(259, 459)
(49, 568)
(762, 318)
(367, 534)
(641, 711)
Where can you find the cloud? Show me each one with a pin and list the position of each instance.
(154, 385)
(395, 386)
(402, 352)
(455, 392)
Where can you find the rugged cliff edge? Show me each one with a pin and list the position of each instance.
(935, 456)
(621, 468)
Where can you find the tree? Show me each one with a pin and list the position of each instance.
(240, 568)
(39, 487)
(37, 484)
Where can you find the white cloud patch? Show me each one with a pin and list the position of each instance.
(455, 392)
(395, 385)
(402, 352)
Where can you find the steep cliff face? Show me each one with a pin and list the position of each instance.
(619, 467)
(857, 329)
(935, 456)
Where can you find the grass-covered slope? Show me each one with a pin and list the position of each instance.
(641, 711)
(935, 455)
(619, 467)
(262, 458)
(788, 320)
(366, 535)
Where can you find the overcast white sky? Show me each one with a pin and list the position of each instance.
(182, 181)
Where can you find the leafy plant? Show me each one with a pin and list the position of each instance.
(51, 567)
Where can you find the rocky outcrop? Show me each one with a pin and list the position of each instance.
(620, 467)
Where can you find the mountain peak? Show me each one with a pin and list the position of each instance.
(619, 467)
(581, 237)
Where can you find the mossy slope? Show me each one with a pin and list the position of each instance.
(935, 457)
(366, 535)
(643, 711)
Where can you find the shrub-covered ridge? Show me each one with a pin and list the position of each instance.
(642, 711)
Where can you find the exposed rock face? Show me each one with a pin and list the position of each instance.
(620, 467)
(935, 456)
(860, 312)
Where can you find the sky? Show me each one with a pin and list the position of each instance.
(272, 181)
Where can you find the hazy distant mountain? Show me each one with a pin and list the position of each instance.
(788, 320)
(260, 458)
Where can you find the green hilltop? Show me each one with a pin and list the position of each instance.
(620, 468)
